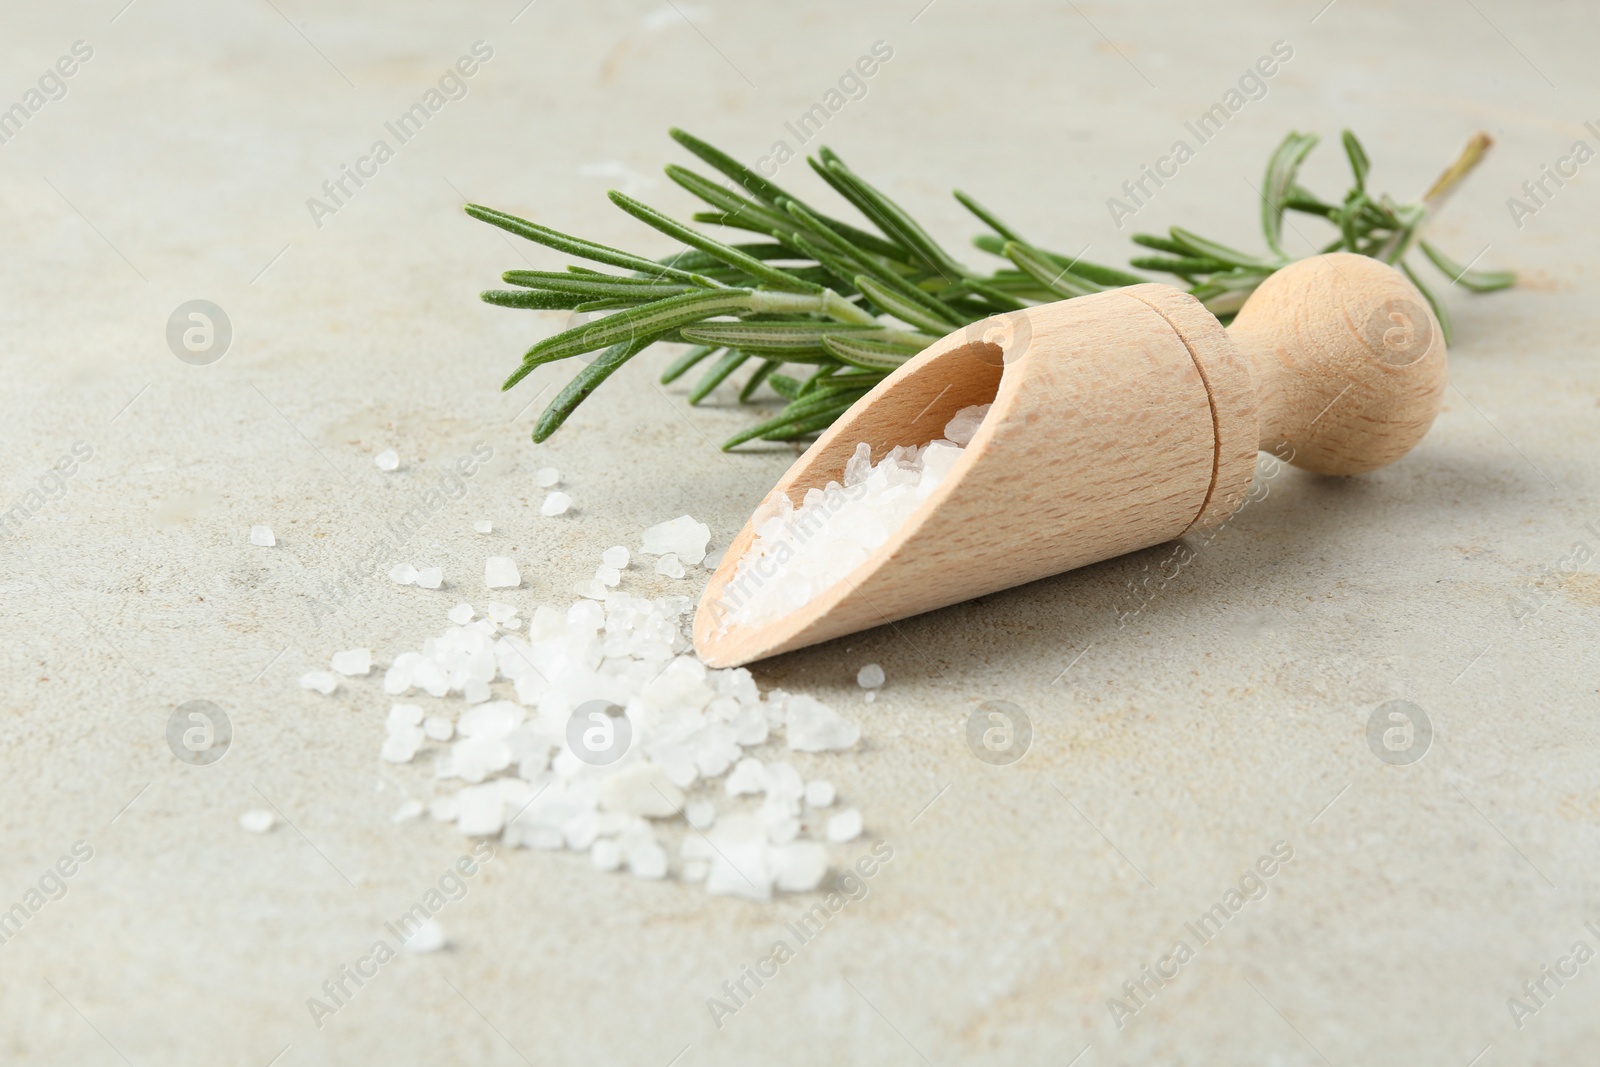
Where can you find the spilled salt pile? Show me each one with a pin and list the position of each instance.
(803, 551)
(596, 729)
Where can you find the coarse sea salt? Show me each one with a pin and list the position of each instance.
(430, 578)
(352, 663)
(806, 550)
(483, 526)
(845, 826)
(500, 572)
(506, 767)
(555, 504)
(257, 820)
(428, 937)
(324, 682)
(682, 537)
(262, 537)
(387, 460)
(545, 477)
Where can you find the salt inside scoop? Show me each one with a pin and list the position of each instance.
(799, 552)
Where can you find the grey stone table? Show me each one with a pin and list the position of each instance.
(195, 152)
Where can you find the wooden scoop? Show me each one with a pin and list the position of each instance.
(1120, 420)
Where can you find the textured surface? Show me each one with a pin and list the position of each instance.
(1229, 712)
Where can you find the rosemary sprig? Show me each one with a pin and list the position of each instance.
(853, 304)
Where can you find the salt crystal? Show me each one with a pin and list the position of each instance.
(964, 425)
(615, 556)
(482, 810)
(401, 745)
(403, 573)
(262, 537)
(483, 526)
(845, 826)
(812, 726)
(608, 576)
(748, 776)
(430, 578)
(555, 504)
(500, 572)
(819, 793)
(428, 937)
(869, 696)
(594, 589)
(258, 820)
(402, 716)
(545, 477)
(750, 726)
(606, 854)
(783, 786)
(800, 866)
(870, 677)
(475, 691)
(670, 566)
(491, 721)
(324, 682)
(741, 863)
(700, 814)
(647, 860)
(444, 808)
(354, 662)
(407, 811)
(427, 675)
(498, 612)
(461, 614)
(683, 537)
(387, 460)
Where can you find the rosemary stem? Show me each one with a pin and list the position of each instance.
(1438, 194)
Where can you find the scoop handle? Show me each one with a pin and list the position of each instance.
(1347, 362)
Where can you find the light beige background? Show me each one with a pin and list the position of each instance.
(1229, 715)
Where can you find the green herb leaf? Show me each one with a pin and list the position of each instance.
(752, 266)
(731, 361)
(586, 249)
(650, 320)
(1195, 245)
(1359, 164)
(1059, 280)
(1479, 281)
(680, 366)
(905, 307)
(867, 354)
(750, 387)
(585, 382)
(777, 337)
(1282, 168)
(1439, 310)
(522, 298)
